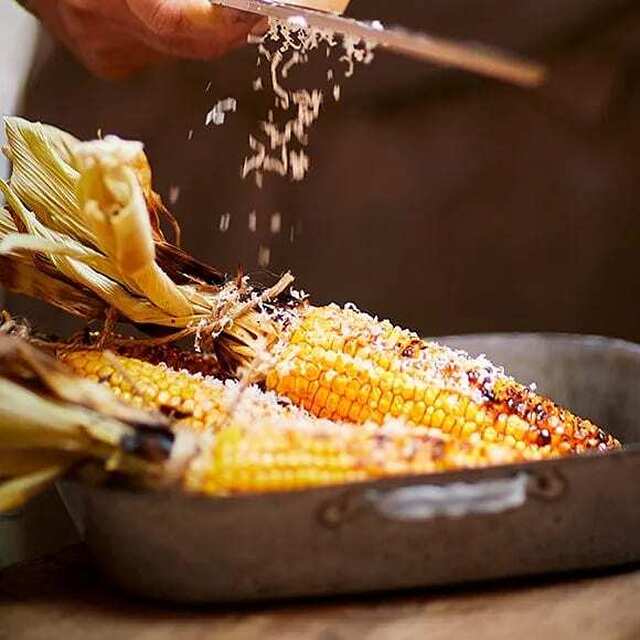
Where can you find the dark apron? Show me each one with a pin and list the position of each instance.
(445, 202)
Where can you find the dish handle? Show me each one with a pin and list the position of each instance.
(422, 502)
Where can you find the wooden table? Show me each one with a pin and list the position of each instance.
(63, 597)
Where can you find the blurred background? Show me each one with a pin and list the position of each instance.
(448, 203)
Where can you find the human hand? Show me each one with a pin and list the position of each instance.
(114, 38)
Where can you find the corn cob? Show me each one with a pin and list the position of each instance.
(344, 365)
(195, 402)
(295, 454)
(201, 403)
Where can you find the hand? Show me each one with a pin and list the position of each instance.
(114, 38)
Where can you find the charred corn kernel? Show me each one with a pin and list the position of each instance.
(173, 357)
(396, 374)
(290, 456)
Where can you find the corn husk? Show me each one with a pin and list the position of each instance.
(22, 276)
(114, 208)
(85, 214)
(16, 492)
(51, 420)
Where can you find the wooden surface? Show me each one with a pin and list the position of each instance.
(62, 597)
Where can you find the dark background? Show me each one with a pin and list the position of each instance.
(448, 203)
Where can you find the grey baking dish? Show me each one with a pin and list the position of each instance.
(551, 516)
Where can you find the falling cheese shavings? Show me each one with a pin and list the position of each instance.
(276, 223)
(253, 222)
(264, 256)
(174, 194)
(218, 113)
(225, 222)
(279, 145)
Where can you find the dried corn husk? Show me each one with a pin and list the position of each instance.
(86, 215)
(50, 419)
(43, 177)
(114, 207)
(17, 491)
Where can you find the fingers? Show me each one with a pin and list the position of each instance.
(115, 38)
(107, 47)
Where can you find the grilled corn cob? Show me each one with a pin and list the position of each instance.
(148, 386)
(344, 365)
(201, 403)
(172, 357)
(299, 453)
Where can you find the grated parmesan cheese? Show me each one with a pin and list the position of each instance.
(218, 112)
(174, 194)
(264, 256)
(225, 222)
(276, 223)
(282, 137)
(253, 222)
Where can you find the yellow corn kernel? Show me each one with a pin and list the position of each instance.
(152, 387)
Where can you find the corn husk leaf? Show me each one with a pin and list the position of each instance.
(99, 217)
(23, 277)
(115, 209)
(7, 225)
(43, 178)
(16, 492)
(90, 211)
(50, 419)
(77, 263)
(26, 461)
